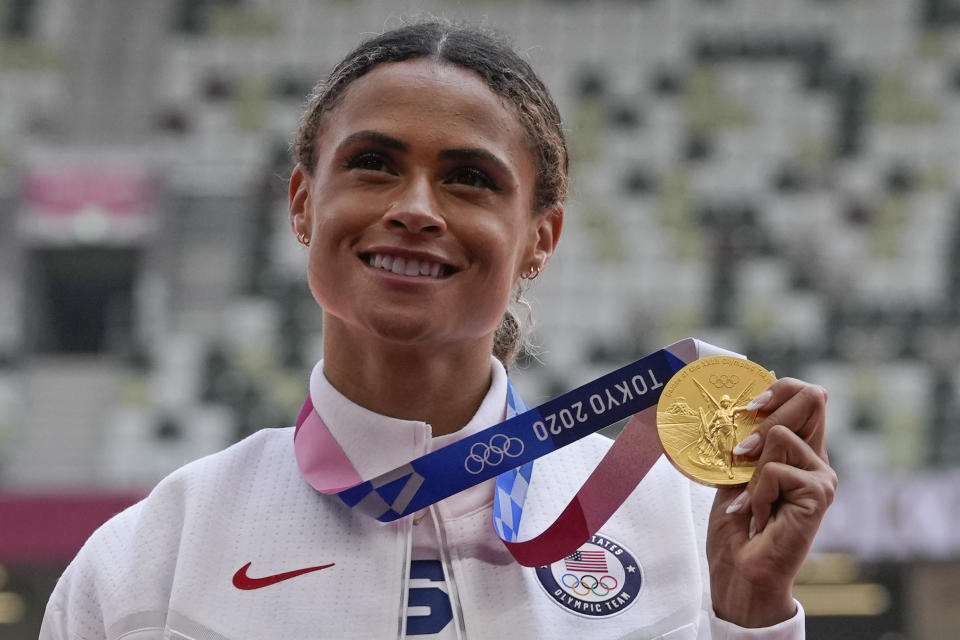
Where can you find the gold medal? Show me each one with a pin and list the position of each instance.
(702, 415)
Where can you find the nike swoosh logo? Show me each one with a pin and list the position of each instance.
(242, 581)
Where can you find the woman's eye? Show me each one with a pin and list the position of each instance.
(472, 178)
(369, 162)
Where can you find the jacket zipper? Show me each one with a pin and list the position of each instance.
(406, 531)
(452, 592)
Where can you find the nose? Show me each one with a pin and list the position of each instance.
(416, 211)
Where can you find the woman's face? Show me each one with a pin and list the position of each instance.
(419, 209)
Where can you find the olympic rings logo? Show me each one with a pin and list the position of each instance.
(482, 454)
(723, 381)
(589, 583)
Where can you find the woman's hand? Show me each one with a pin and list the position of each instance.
(759, 537)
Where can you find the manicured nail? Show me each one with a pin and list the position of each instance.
(753, 527)
(747, 445)
(760, 401)
(738, 502)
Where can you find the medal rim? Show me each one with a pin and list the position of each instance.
(763, 374)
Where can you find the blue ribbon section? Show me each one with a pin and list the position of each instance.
(511, 490)
(514, 443)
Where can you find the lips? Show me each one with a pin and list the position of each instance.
(408, 266)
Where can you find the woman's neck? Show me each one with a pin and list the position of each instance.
(442, 387)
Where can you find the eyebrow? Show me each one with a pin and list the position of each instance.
(376, 137)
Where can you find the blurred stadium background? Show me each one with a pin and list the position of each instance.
(779, 177)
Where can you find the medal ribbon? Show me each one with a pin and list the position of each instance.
(507, 450)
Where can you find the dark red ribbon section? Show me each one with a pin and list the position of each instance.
(625, 464)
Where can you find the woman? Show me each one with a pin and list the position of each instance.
(430, 179)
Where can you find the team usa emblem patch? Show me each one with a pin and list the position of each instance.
(598, 580)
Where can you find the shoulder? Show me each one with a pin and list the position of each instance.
(148, 538)
(237, 472)
(267, 446)
(173, 499)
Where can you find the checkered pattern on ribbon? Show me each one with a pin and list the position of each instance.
(391, 491)
(512, 486)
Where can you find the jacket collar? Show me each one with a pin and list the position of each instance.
(376, 443)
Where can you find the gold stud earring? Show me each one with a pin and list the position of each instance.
(303, 239)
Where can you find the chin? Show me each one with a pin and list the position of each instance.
(424, 330)
(404, 330)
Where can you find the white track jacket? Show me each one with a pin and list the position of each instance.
(167, 567)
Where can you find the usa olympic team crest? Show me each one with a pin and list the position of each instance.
(598, 580)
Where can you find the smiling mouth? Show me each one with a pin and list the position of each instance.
(408, 266)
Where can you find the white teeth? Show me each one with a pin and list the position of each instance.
(406, 266)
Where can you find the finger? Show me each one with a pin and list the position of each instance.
(804, 413)
(811, 431)
(778, 479)
(762, 399)
(799, 405)
(808, 492)
(780, 391)
(740, 504)
(786, 464)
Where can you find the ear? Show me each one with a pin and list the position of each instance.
(549, 226)
(301, 218)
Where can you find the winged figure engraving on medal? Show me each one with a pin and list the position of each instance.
(703, 415)
(719, 434)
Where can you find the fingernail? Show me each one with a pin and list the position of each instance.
(753, 527)
(747, 445)
(738, 502)
(760, 400)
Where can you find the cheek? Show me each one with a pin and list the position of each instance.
(507, 238)
(502, 285)
(333, 228)
(514, 257)
(326, 265)
(315, 272)
(501, 276)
